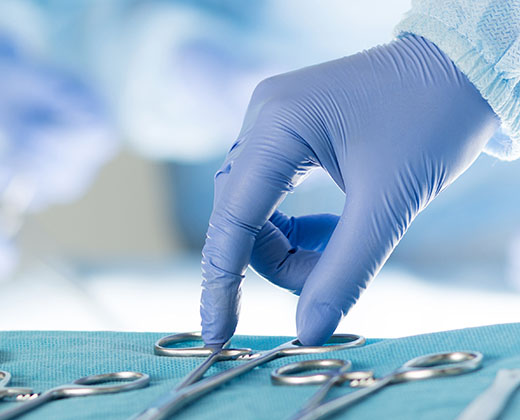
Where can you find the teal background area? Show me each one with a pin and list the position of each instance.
(45, 359)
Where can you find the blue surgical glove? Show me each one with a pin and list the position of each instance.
(393, 126)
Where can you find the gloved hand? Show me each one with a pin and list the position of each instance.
(393, 126)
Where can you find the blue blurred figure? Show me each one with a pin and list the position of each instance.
(54, 136)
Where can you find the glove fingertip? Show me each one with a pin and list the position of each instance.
(220, 307)
(316, 322)
(219, 322)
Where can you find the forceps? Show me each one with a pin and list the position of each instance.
(89, 385)
(190, 389)
(422, 367)
(6, 391)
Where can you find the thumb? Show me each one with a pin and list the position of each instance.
(278, 261)
(287, 248)
(358, 248)
(310, 232)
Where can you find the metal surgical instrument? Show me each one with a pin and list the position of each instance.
(190, 389)
(490, 404)
(89, 385)
(6, 391)
(423, 367)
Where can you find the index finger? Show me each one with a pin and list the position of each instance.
(248, 190)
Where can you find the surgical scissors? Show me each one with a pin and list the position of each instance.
(88, 385)
(422, 367)
(6, 391)
(190, 389)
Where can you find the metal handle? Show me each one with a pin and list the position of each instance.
(327, 369)
(289, 374)
(161, 349)
(5, 391)
(93, 384)
(5, 377)
(335, 343)
(439, 364)
(21, 394)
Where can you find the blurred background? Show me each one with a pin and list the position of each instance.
(114, 115)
